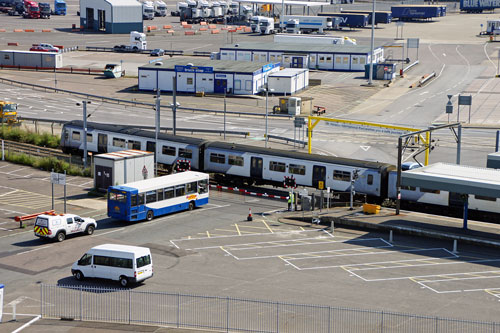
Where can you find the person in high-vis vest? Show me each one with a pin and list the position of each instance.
(290, 201)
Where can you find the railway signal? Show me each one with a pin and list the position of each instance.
(290, 182)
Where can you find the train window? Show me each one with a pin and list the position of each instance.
(217, 158)
(408, 188)
(89, 137)
(344, 176)
(426, 190)
(277, 166)
(297, 169)
(119, 142)
(369, 180)
(134, 144)
(482, 197)
(167, 150)
(235, 160)
(75, 136)
(186, 153)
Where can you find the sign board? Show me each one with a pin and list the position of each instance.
(464, 100)
(58, 178)
(267, 68)
(412, 43)
(321, 184)
(193, 69)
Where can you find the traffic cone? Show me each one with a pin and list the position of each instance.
(249, 217)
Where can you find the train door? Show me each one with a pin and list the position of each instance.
(151, 146)
(256, 167)
(102, 143)
(319, 174)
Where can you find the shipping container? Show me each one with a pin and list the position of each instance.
(383, 17)
(33, 59)
(477, 6)
(349, 20)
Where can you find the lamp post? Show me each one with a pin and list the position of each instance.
(85, 153)
(267, 96)
(157, 127)
(372, 42)
(174, 104)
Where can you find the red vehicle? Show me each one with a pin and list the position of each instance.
(31, 9)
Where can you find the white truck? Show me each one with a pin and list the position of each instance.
(301, 39)
(58, 226)
(306, 24)
(266, 26)
(148, 10)
(255, 22)
(137, 43)
(493, 27)
(160, 8)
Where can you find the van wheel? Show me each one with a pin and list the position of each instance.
(60, 236)
(191, 205)
(149, 215)
(78, 275)
(90, 230)
(123, 281)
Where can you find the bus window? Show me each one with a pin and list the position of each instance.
(203, 186)
(160, 194)
(180, 191)
(140, 196)
(150, 197)
(117, 197)
(169, 193)
(191, 188)
(133, 200)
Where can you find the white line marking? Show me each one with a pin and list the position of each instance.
(107, 232)
(1, 195)
(27, 324)
(40, 248)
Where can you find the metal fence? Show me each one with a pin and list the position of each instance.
(230, 314)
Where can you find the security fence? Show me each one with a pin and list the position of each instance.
(230, 314)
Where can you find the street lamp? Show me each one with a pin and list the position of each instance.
(157, 127)
(267, 90)
(84, 103)
(372, 42)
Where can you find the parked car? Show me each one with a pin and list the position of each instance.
(157, 53)
(53, 226)
(44, 48)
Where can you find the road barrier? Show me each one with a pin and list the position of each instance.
(20, 219)
(13, 44)
(190, 33)
(426, 78)
(231, 314)
(214, 31)
(3, 30)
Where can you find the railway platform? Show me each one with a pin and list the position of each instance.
(406, 223)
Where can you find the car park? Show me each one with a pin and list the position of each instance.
(58, 226)
(157, 52)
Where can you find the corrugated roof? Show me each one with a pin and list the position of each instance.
(298, 48)
(124, 3)
(288, 72)
(217, 65)
(455, 178)
(120, 155)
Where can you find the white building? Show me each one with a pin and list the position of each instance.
(111, 16)
(204, 75)
(288, 81)
(313, 56)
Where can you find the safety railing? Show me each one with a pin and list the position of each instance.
(230, 314)
(125, 50)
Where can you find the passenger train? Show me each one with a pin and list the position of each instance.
(243, 164)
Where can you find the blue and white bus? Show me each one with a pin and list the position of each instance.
(146, 199)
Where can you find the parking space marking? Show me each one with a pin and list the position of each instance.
(28, 199)
(493, 292)
(271, 230)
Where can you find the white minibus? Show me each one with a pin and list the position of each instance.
(123, 263)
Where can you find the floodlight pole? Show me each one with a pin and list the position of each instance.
(157, 127)
(174, 96)
(398, 179)
(372, 42)
(84, 103)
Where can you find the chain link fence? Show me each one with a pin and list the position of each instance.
(230, 314)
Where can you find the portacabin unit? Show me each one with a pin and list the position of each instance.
(208, 76)
(111, 16)
(315, 56)
(288, 81)
(122, 167)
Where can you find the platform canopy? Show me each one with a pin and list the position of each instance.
(287, 2)
(455, 178)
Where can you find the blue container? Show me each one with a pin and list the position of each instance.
(415, 12)
(349, 20)
(476, 6)
(380, 16)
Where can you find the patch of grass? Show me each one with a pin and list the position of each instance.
(48, 164)
(26, 136)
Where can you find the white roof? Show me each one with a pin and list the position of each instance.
(456, 178)
(170, 180)
(122, 248)
(120, 155)
(287, 2)
(124, 3)
(288, 72)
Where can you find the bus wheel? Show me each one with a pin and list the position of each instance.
(191, 205)
(149, 215)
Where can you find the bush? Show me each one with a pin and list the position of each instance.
(48, 164)
(26, 136)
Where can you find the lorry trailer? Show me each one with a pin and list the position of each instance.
(417, 12)
(296, 24)
(301, 39)
(384, 17)
(477, 6)
(349, 20)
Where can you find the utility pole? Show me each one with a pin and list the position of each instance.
(157, 127)
(372, 42)
(224, 114)
(85, 153)
(174, 96)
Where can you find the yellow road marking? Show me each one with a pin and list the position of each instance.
(302, 229)
(415, 279)
(251, 226)
(208, 234)
(267, 226)
(237, 229)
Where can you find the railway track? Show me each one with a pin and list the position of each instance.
(37, 151)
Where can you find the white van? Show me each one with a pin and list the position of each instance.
(124, 263)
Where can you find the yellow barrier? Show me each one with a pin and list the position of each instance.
(371, 209)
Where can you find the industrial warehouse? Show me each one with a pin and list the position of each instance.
(314, 56)
(219, 77)
(111, 16)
